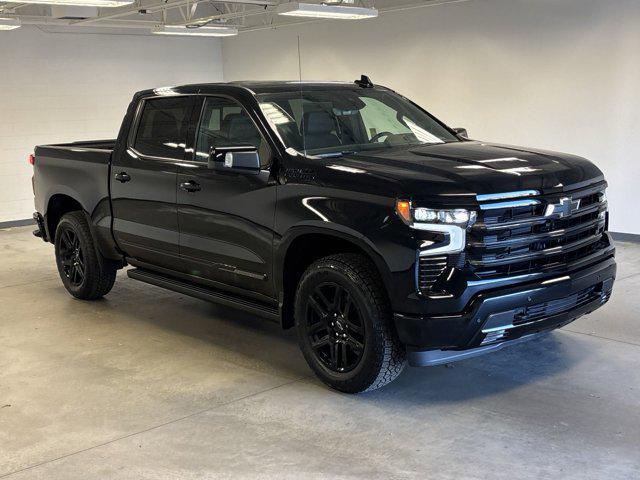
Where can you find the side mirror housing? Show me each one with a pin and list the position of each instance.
(461, 132)
(243, 158)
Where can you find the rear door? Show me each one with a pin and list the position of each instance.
(143, 183)
(226, 217)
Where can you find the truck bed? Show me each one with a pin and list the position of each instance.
(79, 170)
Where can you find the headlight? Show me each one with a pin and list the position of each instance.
(450, 226)
(459, 217)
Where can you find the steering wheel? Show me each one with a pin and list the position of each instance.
(378, 136)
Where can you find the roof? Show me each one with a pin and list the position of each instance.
(254, 87)
(288, 86)
(274, 86)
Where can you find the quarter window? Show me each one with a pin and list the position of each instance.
(162, 130)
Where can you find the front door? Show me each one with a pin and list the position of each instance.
(226, 218)
(143, 182)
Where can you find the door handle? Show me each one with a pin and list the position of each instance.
(122, 177)
(190, 186)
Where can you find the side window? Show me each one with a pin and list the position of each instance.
(162, 130)
(224, 123)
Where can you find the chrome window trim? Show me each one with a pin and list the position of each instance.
(144, 157)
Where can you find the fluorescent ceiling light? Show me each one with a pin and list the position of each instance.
(297, 9)
(205, 31)
(83, 3)
(9, 23)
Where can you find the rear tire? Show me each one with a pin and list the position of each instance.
(84, 272)
(344, 324)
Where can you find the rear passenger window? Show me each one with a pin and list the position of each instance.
(162, 130)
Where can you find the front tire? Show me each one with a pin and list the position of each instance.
(344, 324)
(84, 273)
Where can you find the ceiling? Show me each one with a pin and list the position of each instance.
(143, 15)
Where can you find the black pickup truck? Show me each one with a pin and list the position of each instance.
(342, 209)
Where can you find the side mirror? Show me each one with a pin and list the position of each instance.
(241, 158)
(461, 132)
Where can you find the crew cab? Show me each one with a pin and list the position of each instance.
(342, 209)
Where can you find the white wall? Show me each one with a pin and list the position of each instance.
(562, 75)
(58, 87)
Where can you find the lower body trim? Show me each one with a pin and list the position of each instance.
(430, 358)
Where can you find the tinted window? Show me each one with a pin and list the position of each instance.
(349, 119)
(224, 124)
(162, 131)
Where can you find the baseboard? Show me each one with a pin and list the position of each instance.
(17, 223)
(626, 237)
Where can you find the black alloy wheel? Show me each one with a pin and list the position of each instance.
(344, 324)
(335, 328)
(72, 257)
(84, 272)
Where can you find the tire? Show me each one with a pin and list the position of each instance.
(351, 348)
(84, 272)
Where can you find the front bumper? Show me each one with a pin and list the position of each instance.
(496, 317)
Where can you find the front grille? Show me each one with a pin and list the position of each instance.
(543, 310)
(502, 326)
(514, 238)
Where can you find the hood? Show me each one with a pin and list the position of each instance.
(463, 169)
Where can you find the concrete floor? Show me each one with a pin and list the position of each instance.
(151, 384)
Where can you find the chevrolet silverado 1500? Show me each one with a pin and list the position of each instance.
(341, 209)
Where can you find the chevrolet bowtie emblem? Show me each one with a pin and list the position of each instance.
(563, 209)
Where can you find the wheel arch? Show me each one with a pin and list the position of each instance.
(304, 244)
(58, 205)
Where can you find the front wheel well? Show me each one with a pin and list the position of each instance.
(301, 253)
(58, 206)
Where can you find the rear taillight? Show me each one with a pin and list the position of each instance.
(32, 159)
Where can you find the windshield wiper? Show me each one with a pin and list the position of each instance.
(337, 154)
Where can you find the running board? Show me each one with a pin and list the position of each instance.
(204, 293)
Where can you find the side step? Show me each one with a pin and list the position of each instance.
(204, 293)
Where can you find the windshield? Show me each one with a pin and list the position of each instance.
(339, 120)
